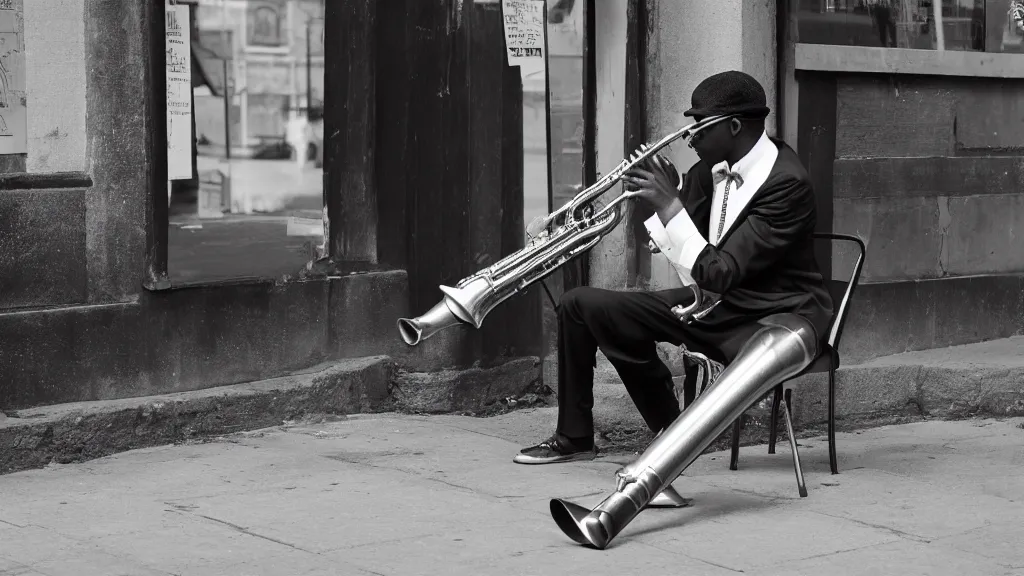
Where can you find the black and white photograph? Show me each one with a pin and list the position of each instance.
(511, 287)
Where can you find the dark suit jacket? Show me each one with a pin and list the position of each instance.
(765, 262)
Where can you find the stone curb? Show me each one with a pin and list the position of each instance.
(864, 393)
(464, 390)
(944, 392)
(83, 431)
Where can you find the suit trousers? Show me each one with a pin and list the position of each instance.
(626, 327)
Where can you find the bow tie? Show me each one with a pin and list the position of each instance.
(723, 173)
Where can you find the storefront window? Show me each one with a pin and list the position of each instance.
(558, 80)
(964, 25)
(255, 206)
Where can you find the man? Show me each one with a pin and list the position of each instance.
(738, 224)
(298, 136)
(884, 21)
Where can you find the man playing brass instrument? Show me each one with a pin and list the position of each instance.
(738, 224)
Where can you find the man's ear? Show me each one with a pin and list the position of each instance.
(735, 125)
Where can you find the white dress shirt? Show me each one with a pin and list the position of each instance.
(680, 241)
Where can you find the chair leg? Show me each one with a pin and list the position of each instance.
(792, 444)
(832, 460)
(734, 458)
(773, 430)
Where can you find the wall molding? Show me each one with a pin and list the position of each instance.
(876, 60)
(53, 180)
(893, 317)
(927, 177)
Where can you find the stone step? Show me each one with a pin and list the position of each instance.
(985, 378)
(976, 379)
(64, 433)
(470, 390)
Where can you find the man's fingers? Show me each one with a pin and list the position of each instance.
(634, 184)
(664, 171)
(640, 174)
(652, 164)
(670, 168)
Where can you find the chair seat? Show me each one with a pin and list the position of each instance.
(827, 360)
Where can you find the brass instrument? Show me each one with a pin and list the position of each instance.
(780, 350)
(567, 233)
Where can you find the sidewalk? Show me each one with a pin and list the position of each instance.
(420, 495)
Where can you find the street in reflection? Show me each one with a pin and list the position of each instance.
(255, 205)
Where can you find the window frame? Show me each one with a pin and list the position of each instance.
(878, 60)
(836, 58)
(156, 277)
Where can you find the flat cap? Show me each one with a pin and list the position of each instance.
(729, 93)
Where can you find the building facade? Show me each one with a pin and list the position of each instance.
(88, 308)
(907, 114)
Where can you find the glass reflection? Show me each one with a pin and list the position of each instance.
(255, 206)
(963, 25)
(563, 69)
(565, 58)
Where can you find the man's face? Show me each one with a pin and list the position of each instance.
(713, 143)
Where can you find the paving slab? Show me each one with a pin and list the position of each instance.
(901, 557)
(396, 494)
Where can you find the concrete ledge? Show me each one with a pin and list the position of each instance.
(196, 338)
(971, 380)
(984, 379)
(917, 315)
(82, 431)
(76, 432)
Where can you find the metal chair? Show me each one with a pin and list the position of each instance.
(827, 361)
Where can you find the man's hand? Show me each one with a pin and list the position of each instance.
(678, 312)
(656, 184)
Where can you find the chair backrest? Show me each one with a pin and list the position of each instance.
(842, 291)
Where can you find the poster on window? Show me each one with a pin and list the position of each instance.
(13, 113)
(524, 30)
(178, 44)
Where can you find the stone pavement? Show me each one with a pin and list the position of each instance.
(394, 495)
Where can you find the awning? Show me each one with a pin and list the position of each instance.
(560, 11)
(207, 69)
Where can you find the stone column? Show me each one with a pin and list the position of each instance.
(691, 40)
(688, 41)
(608, 260)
